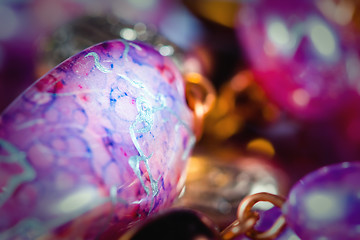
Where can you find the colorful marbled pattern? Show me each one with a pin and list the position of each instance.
(100, 141)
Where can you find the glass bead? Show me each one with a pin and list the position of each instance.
(299, 57)
(325, 203)
(97, 143)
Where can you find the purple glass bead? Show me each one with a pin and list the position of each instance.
(97, 143)
(326, 203)
(303, 61)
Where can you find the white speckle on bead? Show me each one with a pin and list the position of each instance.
(292, 199)
(324, 170)
(278, 33)
(345, 165)
(77, 201)
(128, 34)
(322, 38)
(323, 206)
(294, 237)
(166, 50)
(41, 98)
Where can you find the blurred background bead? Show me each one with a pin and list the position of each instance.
(240, 103)
(344, 13)
(297, 56)
(153, 11)
(326, 203)
(83, 32)
(26, 26)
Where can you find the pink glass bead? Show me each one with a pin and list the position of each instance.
(326, 204)
(97, 143)
(299, 57)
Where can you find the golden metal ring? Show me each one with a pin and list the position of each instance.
(244, 211)
(237, 228)
(200, 96)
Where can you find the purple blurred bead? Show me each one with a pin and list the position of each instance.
(99, 142)
(326, 203)
(298, 56)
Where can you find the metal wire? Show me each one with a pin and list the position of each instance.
(247, 218)
(200, 95)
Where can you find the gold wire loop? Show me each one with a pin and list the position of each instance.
(247, 219)
(237, 227)
(244, 211)
(200, 96)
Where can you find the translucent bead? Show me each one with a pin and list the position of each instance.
(305, 63)
(326, 203)
(100, 141)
